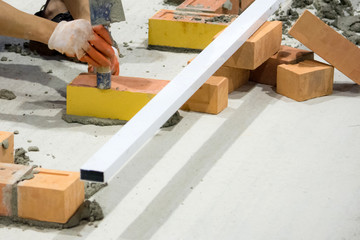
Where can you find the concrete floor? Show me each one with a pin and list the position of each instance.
(267, 167)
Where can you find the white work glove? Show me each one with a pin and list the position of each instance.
(72, 38)
(78, 38)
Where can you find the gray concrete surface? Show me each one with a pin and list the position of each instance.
(265, 168)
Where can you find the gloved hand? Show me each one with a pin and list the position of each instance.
(102, 32)
(77, 38)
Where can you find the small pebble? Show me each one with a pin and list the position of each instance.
(3, 59)
(33, 149)
(16, 132)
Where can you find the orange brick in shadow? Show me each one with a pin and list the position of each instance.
(212, 97)
(266, 73)
(264, 43)
(51, 196)
(6, 147)
(305, 80)
(210, 6)
(237, 77)
(10, 174)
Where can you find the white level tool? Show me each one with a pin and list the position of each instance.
(108, 160)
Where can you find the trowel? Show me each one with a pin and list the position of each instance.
(105, 12)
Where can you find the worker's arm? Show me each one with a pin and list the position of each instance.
(14, 23)
(79, 9)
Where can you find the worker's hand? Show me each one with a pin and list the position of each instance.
(115, 66)
(103, 33)
(77, 38)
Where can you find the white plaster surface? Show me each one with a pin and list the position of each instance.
(265, 168)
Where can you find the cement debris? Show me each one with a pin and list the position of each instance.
(338, 14)
(331, 9)
(173, 2)
(17, 48)
(92, 188)
(21, 157)
(33, 149)
(221, 19)
(89, 211)
(175, 119)
(7, 94)
(5, 144)
(92, 120)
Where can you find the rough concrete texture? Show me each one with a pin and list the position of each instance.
(21, 157)
(91, 188)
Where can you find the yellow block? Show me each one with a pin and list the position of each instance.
(125, 98)
(168, 28)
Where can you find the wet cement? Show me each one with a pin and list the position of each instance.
(21, 157)
(5, 144)
(221, 19)
(89, 211)
(175, 119)
(173, 49)
(7, 94)
(92, 188)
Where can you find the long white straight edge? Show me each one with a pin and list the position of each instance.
(109, 159)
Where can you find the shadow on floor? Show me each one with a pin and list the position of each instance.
(34, 74)
(181, 185)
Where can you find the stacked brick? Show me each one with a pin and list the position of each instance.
(262, 45)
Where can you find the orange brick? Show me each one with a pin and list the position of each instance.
(264, 43)
(212, 97)
(209, 6)
(6, 147)
(127, 96)
(305, 80)
(51, 196)
(245, 4)
(10, 174)
(266, 73)
(237, 77)
(328, 44)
